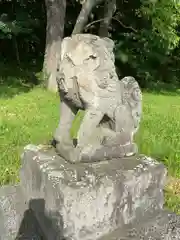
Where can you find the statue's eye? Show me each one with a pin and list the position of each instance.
(92, 57)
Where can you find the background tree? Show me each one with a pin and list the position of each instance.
(146, 35)
(109, 10)
(55, 11)
(82, 19)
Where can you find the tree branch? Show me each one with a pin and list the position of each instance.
(124, 26)
(109, 9)
(102, 19)
(82, 19)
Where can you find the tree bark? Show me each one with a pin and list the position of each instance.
(82, 19)
(55, 10)
(109, 9)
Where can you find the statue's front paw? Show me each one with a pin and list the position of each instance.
(86, 153)
(64, 149)
(65, 141)
(130, 150)
(82, 154)
(75, 155)
(69, 152)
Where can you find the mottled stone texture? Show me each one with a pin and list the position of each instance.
(120, 199)
(17, 221)
(87, 201)
(87, 79)
(161, 225)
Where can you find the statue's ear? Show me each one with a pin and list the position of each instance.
(108, 43)
(65, 46)
(81, 53)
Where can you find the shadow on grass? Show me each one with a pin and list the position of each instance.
(15, 80)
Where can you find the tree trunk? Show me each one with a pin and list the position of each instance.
(55, 10)
(82, 19)
(16, 50)
(109, 9)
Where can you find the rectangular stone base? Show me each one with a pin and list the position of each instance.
(87, 201)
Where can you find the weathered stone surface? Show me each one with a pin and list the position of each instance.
(17, 221)
(86, 201)
(87, 80)
(160, 225)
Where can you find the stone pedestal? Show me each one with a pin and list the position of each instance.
(114, 200)
(87, 201)
(160, 225)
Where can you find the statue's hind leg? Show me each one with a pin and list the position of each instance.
(88, 126)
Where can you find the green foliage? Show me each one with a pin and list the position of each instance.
(19, 22)
(149, 42)
(21, 29)
(8, 29)
(164, 16)
(146, 33)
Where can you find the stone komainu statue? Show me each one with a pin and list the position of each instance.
(87, 80)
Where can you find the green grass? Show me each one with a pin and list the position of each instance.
(27, 118)
(172, 201)
(159, 134)
(32, 116)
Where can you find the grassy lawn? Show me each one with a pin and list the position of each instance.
(32, 116)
